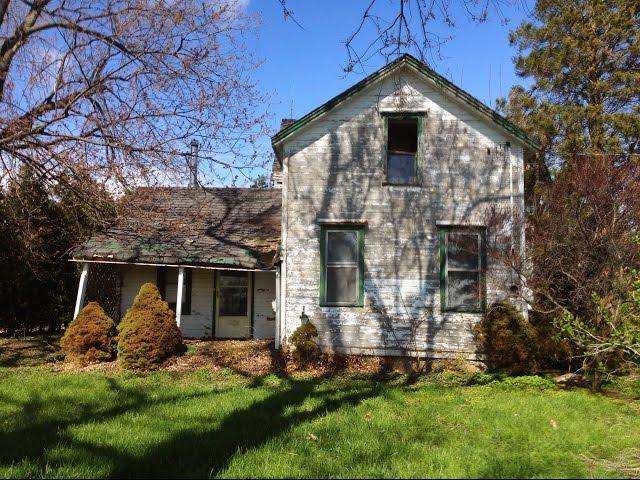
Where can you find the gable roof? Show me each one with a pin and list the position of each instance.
(219, 227)
(422, 68)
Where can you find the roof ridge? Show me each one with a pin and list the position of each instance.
(429, 72)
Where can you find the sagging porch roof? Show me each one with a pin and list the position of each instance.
(218, 227)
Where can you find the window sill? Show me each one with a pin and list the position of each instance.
(463, 310)
(393, 184)
(334, 305)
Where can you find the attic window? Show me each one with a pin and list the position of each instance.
(402, 148)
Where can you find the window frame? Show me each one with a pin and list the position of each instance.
(324, 244)
(443, 233)
(247, 287)
(416, 164)
(161, 283)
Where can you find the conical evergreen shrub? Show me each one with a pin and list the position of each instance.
(148, 333)
(91, 336)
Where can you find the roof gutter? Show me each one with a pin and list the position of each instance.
(186, 265)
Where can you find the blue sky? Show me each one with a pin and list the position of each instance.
(303, 67)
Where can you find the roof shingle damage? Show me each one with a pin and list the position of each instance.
(216, 227)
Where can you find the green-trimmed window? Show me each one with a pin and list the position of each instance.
(462, 269)
(342, 265)
(402, 149)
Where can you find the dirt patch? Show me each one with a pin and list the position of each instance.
(249, 358)
(255, 358)
(30, 351)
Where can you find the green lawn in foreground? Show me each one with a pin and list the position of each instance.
(218, 424)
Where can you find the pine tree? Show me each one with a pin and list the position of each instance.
(583, 57)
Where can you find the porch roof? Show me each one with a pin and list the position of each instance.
(214, 227)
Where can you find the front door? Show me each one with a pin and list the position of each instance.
(233, 307)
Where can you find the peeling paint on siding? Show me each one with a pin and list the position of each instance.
(335, 169)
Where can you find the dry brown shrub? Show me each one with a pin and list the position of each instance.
(91, 336)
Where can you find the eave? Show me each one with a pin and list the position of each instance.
(422, 68)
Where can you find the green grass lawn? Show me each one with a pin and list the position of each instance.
(203, 424)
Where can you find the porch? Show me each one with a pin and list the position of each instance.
(216, 303)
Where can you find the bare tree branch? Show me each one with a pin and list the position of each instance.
(117, 88)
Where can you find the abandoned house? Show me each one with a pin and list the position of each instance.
(377, 229)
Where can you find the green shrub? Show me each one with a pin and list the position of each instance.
(91, 336)
(507, 339)
(306, 348)
(148, 333)
(607, 341)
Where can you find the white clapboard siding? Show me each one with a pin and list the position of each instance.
(133, 277)
(264, 324)
(334, 169)
(200, 322)
(196, 325)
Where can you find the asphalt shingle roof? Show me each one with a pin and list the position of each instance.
(223, 227)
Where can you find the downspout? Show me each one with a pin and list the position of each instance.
(507, 150)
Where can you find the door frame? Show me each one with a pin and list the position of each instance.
(216, 304)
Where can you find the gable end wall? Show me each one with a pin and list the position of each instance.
(334, 169)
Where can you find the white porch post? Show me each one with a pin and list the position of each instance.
(82, 289)
(278, 307)
(179, 295)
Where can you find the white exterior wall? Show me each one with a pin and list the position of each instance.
(264, 315)
(334, 169)
(199, 323)
(133, 277)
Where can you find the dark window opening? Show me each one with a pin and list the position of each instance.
(402, 147)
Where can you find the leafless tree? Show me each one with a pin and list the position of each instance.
(115, 90)
(415, 26)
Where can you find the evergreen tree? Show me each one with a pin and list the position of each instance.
(583, 57)
(38, 227)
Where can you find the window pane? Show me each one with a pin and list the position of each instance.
(400, 168)
(402, 135)
(234, 279)
(463, 251)
(233, 293)
(342, 284)
(463, 290)
(233, 301)
(342, 246)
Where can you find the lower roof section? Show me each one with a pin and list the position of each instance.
(231, 228)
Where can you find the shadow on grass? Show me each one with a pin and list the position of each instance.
(208, 453)
(41, 430)
(204, 452)
(30, 351)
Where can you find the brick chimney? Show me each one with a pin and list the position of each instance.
(276, 168)
(193, 164)
(285, 122)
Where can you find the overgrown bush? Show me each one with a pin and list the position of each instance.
(506, 339)
(91, 336)
(608, 340)
(148, 333)
(306, 348)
